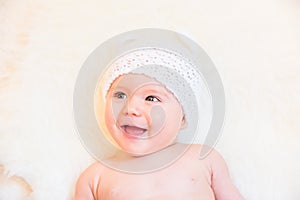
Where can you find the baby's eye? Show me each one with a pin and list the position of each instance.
(152, 98)
(120, 95)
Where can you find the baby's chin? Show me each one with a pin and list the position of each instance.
(145, 152)
(137, 154)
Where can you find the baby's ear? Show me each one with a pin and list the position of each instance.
(183, 123)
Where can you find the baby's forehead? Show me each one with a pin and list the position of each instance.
(136, 76)
(135, 81)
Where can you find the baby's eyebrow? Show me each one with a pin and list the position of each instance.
(118, 89)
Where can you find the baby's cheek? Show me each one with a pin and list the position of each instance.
(116, 109)
(109, 116)
(157, 119)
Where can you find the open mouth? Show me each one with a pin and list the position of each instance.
(133, 131)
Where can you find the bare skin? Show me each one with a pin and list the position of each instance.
(131, 125)
(187, 178)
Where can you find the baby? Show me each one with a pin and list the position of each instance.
(144, 113)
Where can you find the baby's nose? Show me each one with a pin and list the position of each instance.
(133, 107)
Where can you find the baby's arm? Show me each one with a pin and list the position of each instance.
(87, 183)
(221, 181)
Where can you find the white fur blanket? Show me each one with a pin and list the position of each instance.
(254, 45)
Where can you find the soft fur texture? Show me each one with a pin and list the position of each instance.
(13, 187)
(254, 44)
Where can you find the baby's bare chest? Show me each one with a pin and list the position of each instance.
(167, 185)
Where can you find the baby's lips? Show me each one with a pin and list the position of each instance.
(129, 121)
(133, 130)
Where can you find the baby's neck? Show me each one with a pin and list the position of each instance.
(161, 158)
(166, 150)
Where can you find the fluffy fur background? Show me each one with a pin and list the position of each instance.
(254, 44)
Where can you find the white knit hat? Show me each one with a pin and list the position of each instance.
(178, 74)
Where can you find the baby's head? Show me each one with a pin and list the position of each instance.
(149, 99)
(142, 115)
(174, 61)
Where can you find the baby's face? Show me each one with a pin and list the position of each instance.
(141, 115)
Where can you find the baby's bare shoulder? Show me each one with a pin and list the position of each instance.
(94, 170)
(91, 175)
(212, 158)
(88, 182)
(204, 153)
